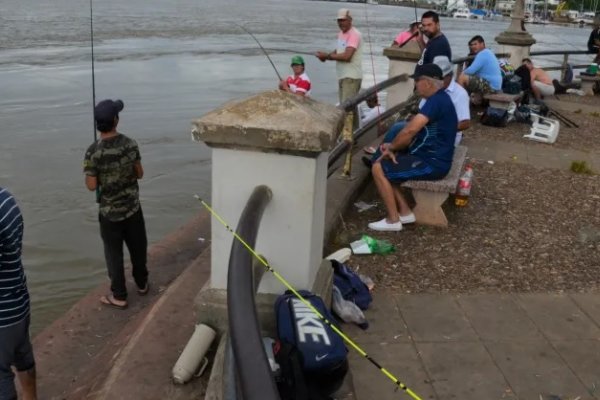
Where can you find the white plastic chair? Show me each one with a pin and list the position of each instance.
(543, 129)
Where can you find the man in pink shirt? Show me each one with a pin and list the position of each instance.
(348, 58)
(406, 36)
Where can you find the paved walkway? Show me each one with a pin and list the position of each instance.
(481, 347)
(532, 153)
(485, 346)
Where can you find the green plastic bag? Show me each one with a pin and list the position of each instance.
(378, 246)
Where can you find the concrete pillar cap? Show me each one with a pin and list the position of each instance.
(271, 121)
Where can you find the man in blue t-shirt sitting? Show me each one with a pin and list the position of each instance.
(423, 149)
(484, 74)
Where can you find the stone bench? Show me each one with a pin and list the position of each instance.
(502, 100)
(430, 195)
(588, 82)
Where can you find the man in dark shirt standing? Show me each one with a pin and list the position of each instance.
(113, 164)
(437, 45)
(15, 345)
(594, 40)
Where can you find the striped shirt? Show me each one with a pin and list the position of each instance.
(14, 297)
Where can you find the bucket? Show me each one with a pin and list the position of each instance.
(593, 69)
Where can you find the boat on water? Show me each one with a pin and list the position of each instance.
(462, 12)
(586, 18)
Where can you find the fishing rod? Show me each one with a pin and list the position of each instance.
(270, 269)
(93, 89)
(93, 74)
(379, 122)
(261, 47)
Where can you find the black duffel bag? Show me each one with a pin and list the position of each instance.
(495, 117)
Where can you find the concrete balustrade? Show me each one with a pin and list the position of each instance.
(402, 61)
(282, 141)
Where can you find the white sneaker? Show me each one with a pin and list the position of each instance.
(383, 225)
(408, 219)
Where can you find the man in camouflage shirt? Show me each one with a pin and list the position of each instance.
(112, 166)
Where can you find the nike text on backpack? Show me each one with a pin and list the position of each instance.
(321, 352)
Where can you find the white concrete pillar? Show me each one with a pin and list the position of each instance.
(282, 141)
(516, 40)
(402, 61)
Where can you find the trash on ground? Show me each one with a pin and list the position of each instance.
(368, 245)
(490, 162)
(362, 206)
(347, 310)
(578, 92)
(367, 281)
(342, 255)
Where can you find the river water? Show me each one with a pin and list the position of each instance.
(170, 61)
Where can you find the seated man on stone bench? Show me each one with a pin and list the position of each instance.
(483, 76)
(422, 150)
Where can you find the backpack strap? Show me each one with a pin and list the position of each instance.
(291, 384)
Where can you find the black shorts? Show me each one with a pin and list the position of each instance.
(15, 350)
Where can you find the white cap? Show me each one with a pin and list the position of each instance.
(444, 63)
(343, 13)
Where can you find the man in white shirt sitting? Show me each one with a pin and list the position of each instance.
(374, 110)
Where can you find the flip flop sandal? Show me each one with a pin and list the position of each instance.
(145, 290)
(369, 150)
(108, 302)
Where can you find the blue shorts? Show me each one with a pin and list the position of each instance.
(15, 350)
(408, 168)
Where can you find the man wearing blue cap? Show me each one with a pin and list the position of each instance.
(422, 150)
(113, 166)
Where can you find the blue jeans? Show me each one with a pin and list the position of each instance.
(389, 137)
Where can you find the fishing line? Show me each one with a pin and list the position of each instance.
(415, 4)
(379, 122)
(270, 269)
(261, 47)
(93, 89)
(93, 74)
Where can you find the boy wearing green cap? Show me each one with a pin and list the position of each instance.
(299, 83)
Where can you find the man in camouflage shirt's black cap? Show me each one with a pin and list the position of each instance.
(113, 166)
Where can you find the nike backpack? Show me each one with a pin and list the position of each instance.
(307, 341)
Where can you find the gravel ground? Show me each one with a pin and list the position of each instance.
(524, 230)
(585, 138)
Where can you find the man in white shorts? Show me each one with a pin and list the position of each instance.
(541, 83)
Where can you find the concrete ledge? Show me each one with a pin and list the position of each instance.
(211, 304)
(271, 121)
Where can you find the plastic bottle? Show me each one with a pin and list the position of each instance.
(461, 198)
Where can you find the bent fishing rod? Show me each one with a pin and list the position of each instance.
(261, 47)
(281, 279)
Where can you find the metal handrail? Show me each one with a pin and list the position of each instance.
(352, 102)
(343, 146)
(557, 52)
(252, 366)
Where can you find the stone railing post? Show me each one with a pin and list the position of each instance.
(516, 40)
(402, 61)
(280, 140)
